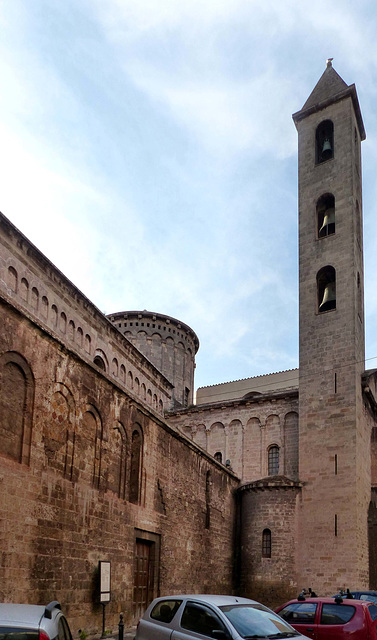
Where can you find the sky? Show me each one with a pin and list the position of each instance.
(147, 149)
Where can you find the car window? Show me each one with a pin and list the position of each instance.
(250, 620)
(336, 613)
(14, 633)
(165, 610)
(368, 597)
(299, 612)
(200, 619)
(373, 611)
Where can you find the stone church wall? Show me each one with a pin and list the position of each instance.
(91, 471)
(269, 511)
(243, 432)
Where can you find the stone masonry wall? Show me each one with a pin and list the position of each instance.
(86, 471)
(269, 506)
(243, 431)
(168, 343)
(32, 283)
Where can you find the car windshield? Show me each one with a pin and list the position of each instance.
(15, 633)
(256, 621)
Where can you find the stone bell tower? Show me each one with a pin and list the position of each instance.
(334, 441)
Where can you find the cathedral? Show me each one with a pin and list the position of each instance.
(260, 487)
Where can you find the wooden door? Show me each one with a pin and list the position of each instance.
(143, 576)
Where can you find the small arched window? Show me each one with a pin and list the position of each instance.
(218, 456)
(266, 543)
(326, 215)
(99, 363)
(273, 460)
(324, 141)
(326, 289)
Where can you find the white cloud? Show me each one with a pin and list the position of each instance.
(148, 149)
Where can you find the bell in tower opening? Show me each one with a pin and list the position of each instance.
(324, 141)
(326, 289)
(326, 215)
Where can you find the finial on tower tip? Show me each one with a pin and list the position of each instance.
(329, 62)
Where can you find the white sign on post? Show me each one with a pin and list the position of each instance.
(104, 581)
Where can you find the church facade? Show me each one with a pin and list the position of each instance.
(262, 487)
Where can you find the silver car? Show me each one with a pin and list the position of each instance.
(199, 617)
(33, 622)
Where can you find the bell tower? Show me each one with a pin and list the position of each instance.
(334, 442)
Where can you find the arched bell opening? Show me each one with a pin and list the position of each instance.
(326, 215)
(324, 139)
(326, 289)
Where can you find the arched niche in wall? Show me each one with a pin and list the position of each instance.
(156, 346)
(58, 430)
(87, 459)
(35, 298)
(100, 360)
(44, 307)
(216, 439)
(24, 290)
(16, 406)
(136, 464)
(114, 367)
(12, 279)
(200, 436)
(79, 336)
(142, 343)
(187, 430)
(116, 471)
(252, 455)
(291, 435)
(71, 330)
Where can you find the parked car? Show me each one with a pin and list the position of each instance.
(33, 622)
(199, 617)
(371, 596)
(331, 618)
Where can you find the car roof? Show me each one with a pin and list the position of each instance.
(217, 600)
(328, 600)
(21, 614)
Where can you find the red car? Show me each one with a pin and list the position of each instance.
(331, 618)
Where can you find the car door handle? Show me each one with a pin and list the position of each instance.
(309, 629)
